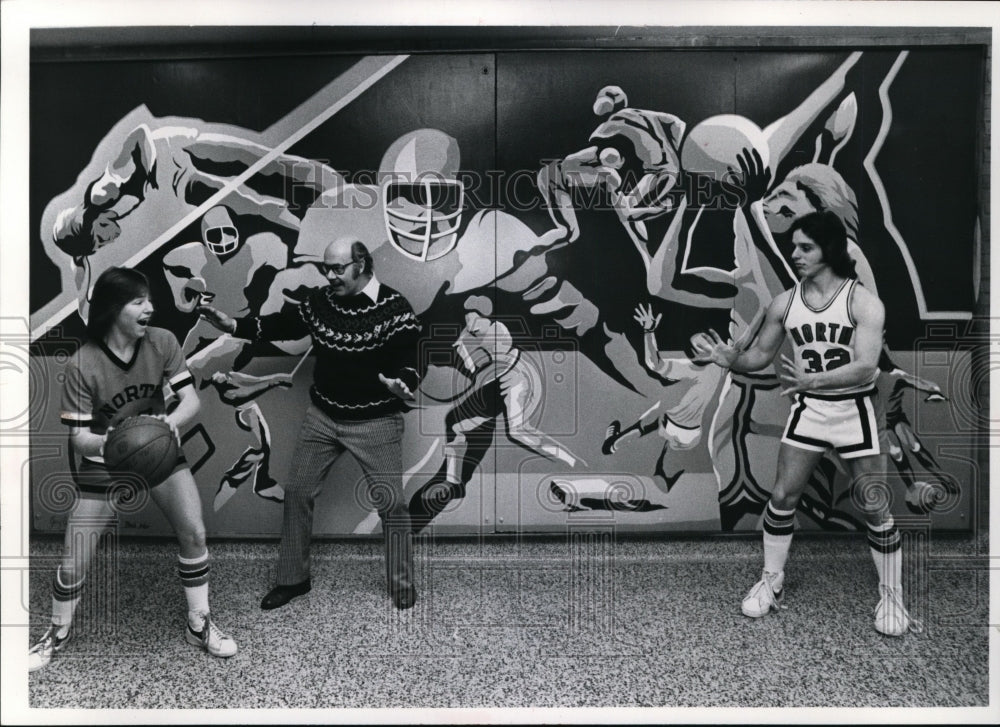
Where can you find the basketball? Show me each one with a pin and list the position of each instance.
(144, 446)
(713, 146)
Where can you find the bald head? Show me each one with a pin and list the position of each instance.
(339, 249)
(347, 264)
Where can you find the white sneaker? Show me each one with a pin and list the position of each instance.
(211, 638)
(891, 617)
(41, 653)
(765, 596)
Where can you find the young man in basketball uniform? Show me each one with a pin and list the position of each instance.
(835, 327)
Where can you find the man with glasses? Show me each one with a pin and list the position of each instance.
(364, 335)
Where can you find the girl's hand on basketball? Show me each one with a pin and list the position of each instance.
(795, 377)
(104, 440)
(171, 424)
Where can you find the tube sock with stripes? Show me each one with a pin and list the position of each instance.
(778, 526)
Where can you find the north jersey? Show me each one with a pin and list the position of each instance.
(101, 390)
(823, 339)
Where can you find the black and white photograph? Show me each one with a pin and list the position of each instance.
(497, 362)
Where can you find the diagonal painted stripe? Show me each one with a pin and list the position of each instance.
(304, 119)
(883, 197)
(418, 467)
(649, 411)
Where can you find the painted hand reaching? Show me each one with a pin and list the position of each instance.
(645, 318)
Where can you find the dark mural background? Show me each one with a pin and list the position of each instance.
(900, 129)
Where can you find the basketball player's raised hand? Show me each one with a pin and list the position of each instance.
(710, 348)
(795, 377)
(222, 321)
(397, 387)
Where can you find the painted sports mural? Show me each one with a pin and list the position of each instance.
(562, 223)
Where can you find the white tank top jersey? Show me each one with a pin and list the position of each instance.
(823, 339)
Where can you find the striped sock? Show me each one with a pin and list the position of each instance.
(65, 599)
(194, 578)
(778, 526)
(887, 552)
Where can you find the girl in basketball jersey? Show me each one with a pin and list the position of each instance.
(835, 328)
(117, 373)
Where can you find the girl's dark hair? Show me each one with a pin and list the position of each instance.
(827, 231)
(114, 288)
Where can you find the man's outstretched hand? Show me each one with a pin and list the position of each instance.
(397, 387)
(222, 321)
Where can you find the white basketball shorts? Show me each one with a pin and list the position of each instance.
(844, 422)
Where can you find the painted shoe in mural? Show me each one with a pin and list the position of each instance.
(268, 488)
(611, 437)
(926, 497)
(766, 595)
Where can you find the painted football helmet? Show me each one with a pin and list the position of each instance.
(218, 232)
(421, 197)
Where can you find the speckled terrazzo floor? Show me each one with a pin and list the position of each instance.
(601, 621)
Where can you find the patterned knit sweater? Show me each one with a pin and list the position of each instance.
(354, 340)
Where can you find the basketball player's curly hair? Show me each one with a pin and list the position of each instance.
(826, 230)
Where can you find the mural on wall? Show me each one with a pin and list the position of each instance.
(561, 226)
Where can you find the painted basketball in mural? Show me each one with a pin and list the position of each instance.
(713, 146)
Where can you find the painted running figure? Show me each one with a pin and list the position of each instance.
(836, 329)
(504, 384)
(680, 425)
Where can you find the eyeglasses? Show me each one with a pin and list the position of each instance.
(335, 268)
